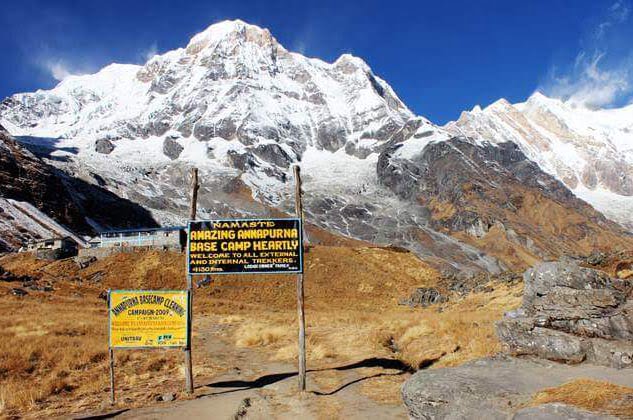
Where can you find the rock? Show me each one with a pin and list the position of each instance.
(241, 161)
(572, 314)
(496, 388)
(32, 285)
(171, 148)
(596, 258)
(331, 135)
(557, 411)
(273, 153)
(15, 291)
(242, 410)
(170, 396)
(224, 128)
(464, 283)
(96, 277)
(104, 146)
(84, 262)
(424, 296)
(624, 270)
(164, 83)
(523, 337)
(203, 282)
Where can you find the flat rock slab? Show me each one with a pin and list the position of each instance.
(496, 388)
(557, 412)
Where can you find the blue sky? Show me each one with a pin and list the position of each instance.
(441, 57)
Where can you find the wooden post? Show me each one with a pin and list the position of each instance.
(300, 292)
(193, 206)
(111, 376)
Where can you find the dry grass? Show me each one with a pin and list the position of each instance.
(463, 330)
(53, 358)
(259, 334)
(55, 352)
(593, 395)
(384, 388)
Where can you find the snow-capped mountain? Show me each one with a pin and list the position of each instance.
(590, 151)
(243, 109)
(233, 82)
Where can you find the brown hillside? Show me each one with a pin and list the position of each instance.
(53, 359)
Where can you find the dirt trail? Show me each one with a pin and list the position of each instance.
(257, 388)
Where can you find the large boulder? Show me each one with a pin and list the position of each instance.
(171, 148)
(104, 146)
(572, 314)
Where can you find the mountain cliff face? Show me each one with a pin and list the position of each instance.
(590, 151)
(26, 178)
(243, 109)
(492, 197)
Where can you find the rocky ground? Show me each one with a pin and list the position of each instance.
(572, 332)
(505, 387)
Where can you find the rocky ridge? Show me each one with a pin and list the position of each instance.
(590, 151)
(26, 178)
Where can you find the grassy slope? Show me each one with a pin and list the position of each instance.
(53, 358)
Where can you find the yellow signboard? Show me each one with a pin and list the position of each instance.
(148, 318)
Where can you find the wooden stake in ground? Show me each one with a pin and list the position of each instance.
(300, 293)
(192, 216)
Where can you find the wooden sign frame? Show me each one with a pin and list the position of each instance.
(111, 348)
(295, 222)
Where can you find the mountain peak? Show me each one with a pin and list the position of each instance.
(499, 105)
(537, 98)
(349, 58)
(231, 30)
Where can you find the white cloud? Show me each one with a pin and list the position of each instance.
(590, 84)
(597, 78)
(149, 53)
(58, 70)
(617, 13)
(62, 68)
(299, 46)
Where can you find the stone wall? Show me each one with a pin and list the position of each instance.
(103, 252)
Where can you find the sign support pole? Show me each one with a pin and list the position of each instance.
(300, 291)
(110, 353)
(111, 375)
(192, 216)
